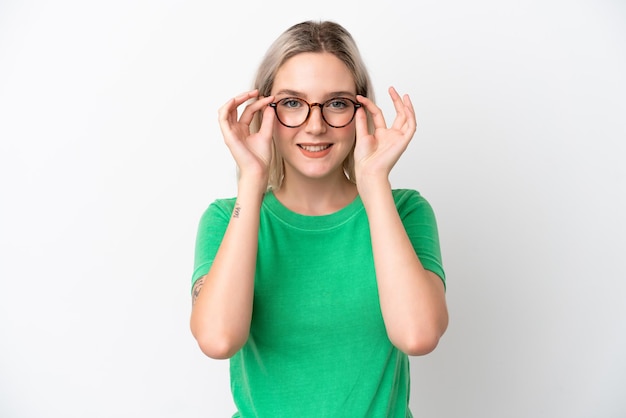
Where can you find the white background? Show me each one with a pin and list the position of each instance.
(110, 152)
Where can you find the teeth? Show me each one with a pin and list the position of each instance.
(314, 148)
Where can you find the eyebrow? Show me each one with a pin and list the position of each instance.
(300, 94)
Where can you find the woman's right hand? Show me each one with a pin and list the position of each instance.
(252, 152)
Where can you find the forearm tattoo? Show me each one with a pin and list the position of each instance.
(196, 290)
(237, 210)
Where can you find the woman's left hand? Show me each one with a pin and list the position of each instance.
(376, 154)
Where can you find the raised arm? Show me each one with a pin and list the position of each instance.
(412, 299)
(222, 299)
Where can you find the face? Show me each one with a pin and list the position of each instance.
(314, 150)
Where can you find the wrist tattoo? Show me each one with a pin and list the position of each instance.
(236, 211)
(196, 290)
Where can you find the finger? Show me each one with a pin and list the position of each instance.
(361, 123)
(411, 121)
(377, 115)
(226, 108)
(409, 104)
(228, 112)
(244, 97)
(267, 123)
(250, 110)
(227, 115)
(398, 104)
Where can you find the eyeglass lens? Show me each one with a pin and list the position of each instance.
(337, 112)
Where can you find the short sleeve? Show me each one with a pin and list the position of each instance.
(211, 230)
(420, 224)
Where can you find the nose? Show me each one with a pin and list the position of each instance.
(315, 124)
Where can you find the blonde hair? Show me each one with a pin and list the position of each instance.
(324, 36)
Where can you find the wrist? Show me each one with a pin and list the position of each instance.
(372, 187)
(252, 187)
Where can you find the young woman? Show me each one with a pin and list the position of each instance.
(317, 280)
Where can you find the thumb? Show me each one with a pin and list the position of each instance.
(364, 140)
(362, 129)
(267, 123)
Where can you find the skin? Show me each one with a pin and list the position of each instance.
(314, 186)
(412, 299)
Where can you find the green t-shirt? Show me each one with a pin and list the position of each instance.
(318, 345)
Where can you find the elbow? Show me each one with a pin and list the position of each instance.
(219, 346)
(219, 350)
(418, 345)
(421, 340)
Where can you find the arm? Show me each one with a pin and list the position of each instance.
(222, 305)
(222, 299)
(412, 299)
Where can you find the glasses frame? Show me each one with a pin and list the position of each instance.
(357, 105)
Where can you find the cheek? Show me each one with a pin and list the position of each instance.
(282, 134)
(282, 138)
(349, 134)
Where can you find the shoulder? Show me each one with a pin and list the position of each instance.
(219, 208)
(223, 208)
(409, 201)
(404, 194)
(404, 197)
(223, 204)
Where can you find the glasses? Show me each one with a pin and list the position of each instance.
(337, 112)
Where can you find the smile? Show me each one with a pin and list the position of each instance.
(315, 148)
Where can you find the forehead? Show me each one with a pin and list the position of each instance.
(314, 75)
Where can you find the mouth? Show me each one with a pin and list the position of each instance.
(315, 151)
(315, 148)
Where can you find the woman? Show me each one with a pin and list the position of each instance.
(317, 280)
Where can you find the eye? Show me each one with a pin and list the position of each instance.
(338, 103)
(291, 103)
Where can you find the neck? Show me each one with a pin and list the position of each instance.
(316, 196)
